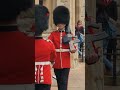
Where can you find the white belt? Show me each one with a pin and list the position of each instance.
(43, 63)
(62, 50)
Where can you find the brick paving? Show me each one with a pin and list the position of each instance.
(76, 79)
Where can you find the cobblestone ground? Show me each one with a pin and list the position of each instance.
(76, 79)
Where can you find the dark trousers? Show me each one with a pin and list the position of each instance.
(62, 78)
(42, 87)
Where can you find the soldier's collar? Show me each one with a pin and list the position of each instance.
(61, 30)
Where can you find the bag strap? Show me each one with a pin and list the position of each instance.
(90, 30)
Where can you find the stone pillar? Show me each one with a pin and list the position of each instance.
(77, 10)
(90, 6)
(94, 79)
(80, 11)
(71, 6)
(48, 4)
(36, 1)
(54, 4)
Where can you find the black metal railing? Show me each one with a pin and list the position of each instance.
(114, 54)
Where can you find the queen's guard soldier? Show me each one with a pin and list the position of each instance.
(61, 17)
(16, 48)
(44, 50)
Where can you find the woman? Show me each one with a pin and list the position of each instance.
(79, 32)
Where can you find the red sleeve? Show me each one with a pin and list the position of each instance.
(51, 37)
(53, 52)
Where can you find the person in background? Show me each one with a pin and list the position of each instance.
(61, 17)
(79, 28)
(44, 50)
(79, 32)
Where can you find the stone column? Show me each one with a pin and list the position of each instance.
(80, 10)
(48, 4)
(54, 4)
(71, 6)
(90, 6)
(94, 73)
(36, 1)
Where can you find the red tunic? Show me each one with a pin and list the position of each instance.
(16, 58)
(63, 58)
(44, 53)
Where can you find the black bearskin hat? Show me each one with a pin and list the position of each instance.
(61, 14)
(41, 19)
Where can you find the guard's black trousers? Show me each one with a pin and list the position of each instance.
(42, 87)
(62, 78)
